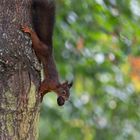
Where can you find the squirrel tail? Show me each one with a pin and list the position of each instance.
(43, 18)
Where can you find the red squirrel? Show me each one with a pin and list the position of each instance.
(43, 17)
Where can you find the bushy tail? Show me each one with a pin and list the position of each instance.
(43, 18)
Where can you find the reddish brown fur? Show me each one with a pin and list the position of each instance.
(51, 81)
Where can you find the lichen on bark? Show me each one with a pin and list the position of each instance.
(19, 74)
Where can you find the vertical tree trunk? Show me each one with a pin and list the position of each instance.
(19, 74)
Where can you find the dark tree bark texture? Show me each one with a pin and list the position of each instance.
(19, 74)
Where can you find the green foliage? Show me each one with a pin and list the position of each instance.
(93, 39)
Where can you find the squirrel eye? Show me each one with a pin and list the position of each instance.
(64, 92)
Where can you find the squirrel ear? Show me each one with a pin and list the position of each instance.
(65, 83)
(70, 84)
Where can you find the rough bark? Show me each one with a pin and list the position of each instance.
(19, 74)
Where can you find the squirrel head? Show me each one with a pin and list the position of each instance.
(63, 92)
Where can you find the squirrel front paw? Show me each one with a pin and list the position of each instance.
(26, 29)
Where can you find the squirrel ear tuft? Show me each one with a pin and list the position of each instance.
(70, 84)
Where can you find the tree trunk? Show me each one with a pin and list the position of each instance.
(19, 74)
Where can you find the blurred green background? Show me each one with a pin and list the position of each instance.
(97, 44)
